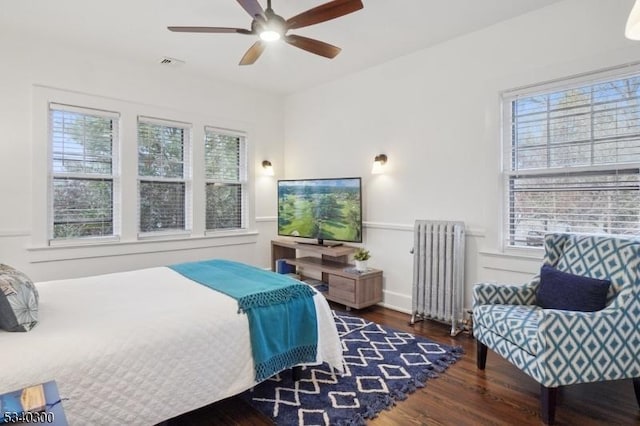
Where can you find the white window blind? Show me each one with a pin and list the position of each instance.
(572, 160)
(163, 172)
(226, 179)
(82, 144)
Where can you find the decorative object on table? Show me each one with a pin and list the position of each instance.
(360, 257)
(572, 342)
(282, 267)
(383, 366)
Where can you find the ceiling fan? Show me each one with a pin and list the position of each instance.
(270, 27)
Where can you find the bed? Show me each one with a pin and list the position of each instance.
(140, 347)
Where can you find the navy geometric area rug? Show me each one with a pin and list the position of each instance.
(383, 366)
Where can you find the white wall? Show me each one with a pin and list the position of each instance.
(436, 114)
(28, 62)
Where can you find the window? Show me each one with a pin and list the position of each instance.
(226, 179)
(163, 171)
(83, 164)
(572, 159)
(108, 174)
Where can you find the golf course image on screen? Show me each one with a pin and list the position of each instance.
(326, 209)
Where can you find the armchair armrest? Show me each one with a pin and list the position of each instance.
(505, 294)
(580, 323)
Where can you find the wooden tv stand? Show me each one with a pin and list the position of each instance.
(350, 288)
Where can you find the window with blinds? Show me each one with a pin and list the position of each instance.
(226, 179)
(163, 171)
(82, 145)
(572, 160)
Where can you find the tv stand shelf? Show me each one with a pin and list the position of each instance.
(346, 286)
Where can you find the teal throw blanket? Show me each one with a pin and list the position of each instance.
(280, 310)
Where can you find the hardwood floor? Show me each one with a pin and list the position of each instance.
(464, 395)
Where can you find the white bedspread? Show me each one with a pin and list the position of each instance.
(139, 347)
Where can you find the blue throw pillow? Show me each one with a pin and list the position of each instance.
(560, 290)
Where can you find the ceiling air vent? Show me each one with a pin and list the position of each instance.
(165, 60)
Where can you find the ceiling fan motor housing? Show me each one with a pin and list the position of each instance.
(270, 22)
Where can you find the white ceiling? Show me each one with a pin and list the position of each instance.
(383, 30)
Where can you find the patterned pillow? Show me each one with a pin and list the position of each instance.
(18, 300)
(560, 290)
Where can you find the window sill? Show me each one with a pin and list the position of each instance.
(524, 261)
(225, 232)
(89, 241)
(163, 235)
(120, 248)
(515, 253)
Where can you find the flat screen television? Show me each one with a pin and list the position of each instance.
(322, 209)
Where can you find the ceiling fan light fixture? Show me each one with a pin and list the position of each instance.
(273, 28)
(270, 35)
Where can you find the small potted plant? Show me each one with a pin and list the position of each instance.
(361, 256)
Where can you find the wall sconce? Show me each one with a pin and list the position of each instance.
(632, 30)
(378, 164)
(268, 168)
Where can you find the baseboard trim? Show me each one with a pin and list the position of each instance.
(395, 308)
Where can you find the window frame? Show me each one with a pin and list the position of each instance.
(243, 180)
(114, 177)
(187, 177)
(562, 84)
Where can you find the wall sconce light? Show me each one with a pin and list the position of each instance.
(378, 164)
(632, 30)
(268, 168)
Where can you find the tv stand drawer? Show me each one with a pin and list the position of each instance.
(342, 285)
(341, 288)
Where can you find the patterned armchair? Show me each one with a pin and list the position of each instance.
(556, 347)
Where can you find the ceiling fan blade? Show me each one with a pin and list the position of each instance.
(253, 53)
(252, 7)
(324, 12)
(208, 30)
(314, 46)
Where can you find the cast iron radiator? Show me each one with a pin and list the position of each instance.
(438, 272)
